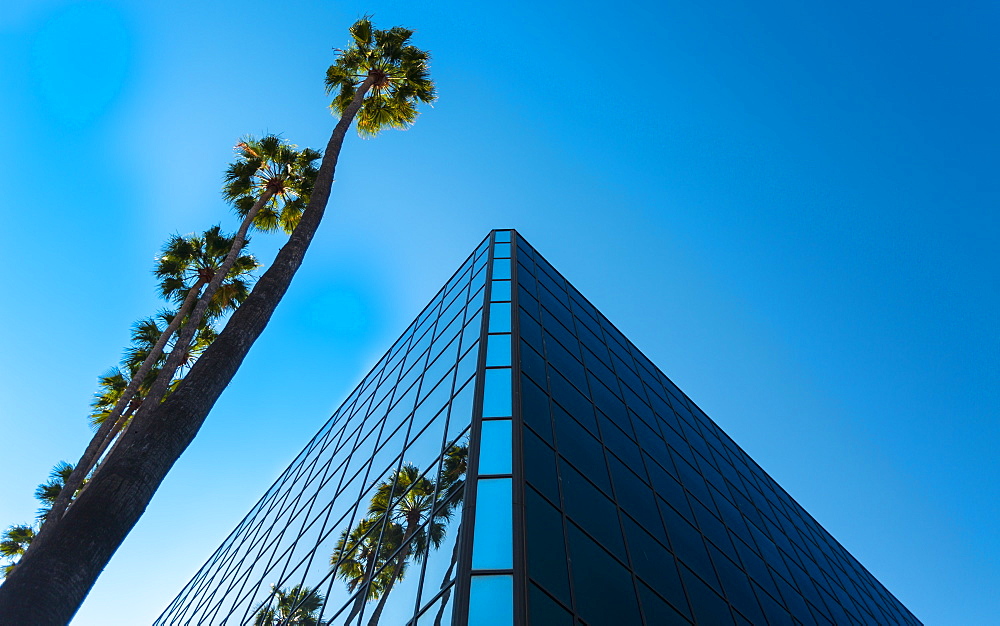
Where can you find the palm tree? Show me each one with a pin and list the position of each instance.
(58, 571)
(408, 499)
(296, 606)
(270, 181)
(360, 557)
(184, 267)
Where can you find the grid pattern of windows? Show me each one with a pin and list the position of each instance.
(514, 459)
(638, 508)
(365, 525)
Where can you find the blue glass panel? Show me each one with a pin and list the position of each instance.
(501, 268)
(491, 601)
(502, 236)
(493, 544)
(500, 290)
(497, 394)
(498, 351)
(501, 250)
(499, 317)
(495, 447)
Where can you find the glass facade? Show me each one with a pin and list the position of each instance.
(514, 459)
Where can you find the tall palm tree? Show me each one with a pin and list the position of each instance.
(184, 267)
(409, 500)
(360, 557)
(58, 571)
(296, 606)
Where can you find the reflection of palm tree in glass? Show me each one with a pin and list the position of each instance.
(359, 554)
(408, 500)
(414, 511)
(297, 606)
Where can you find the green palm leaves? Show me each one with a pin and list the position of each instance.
(13, 543)
(15, 540)
(394, 74)
(188, 263)
(296, 606)
(272, 173)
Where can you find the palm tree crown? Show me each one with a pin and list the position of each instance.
(189, 262)
(270, 167)
(295, 606)
(398, 75)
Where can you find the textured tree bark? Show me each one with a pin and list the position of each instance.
(49, 584)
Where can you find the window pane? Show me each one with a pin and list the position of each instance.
(495, 447)
(501, 250)
(493, 544)
(598, 577)
(500, 317)
(498, 350)
(546, 547)
(502, 236)
(501, 290)
(496, 396)
(544, 610)
(501, 268)
(491, 601)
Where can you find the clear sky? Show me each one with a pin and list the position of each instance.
(791, 207)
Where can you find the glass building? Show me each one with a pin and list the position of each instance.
(514, 459)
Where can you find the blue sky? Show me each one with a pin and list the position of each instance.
(791, 208)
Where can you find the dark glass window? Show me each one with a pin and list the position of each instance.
(707, 605)
(535, 409)
(596, 578)
(635, 497)
(540, 466)
(586, 505)
(657, 612)
(545, 543)
(563, 361)
(619, 443)
(574, 402)
(656, 566)
(532, 363)
(582, 450)
(544, 611)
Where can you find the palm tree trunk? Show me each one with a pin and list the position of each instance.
(113, 436)
(97, 444)
(51, 582)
